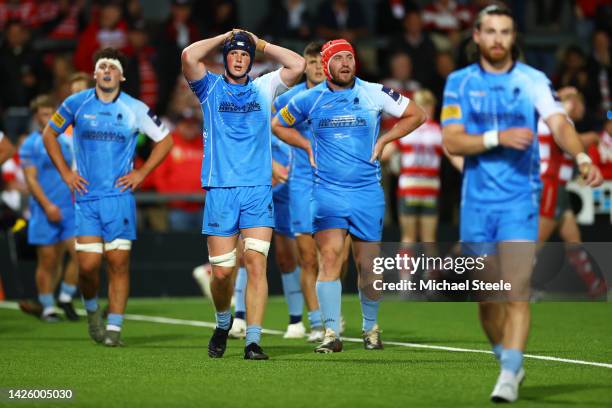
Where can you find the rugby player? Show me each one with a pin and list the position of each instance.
(106, 124)
(51, 227)
(237, 170)
(300, 186)
(489, 115)
(343, 114)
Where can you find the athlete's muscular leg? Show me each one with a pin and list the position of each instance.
(89, 267)
(492, 313)
(346, 252)
(222, 285)
(118, 279)
(310, 268)
(256, 266)
(568, 228)
(59, 255)
(546, 226)
(516, 263)
(47, 267)
(332, 245)
(365, 252)
(409, 228)
(71, 271)
(285, 252)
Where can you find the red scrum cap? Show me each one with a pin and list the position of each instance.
(330, 49)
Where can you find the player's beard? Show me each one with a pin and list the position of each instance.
(496, 59)
(346, 83)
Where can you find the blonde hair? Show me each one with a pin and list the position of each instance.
(424, 97)
(42, 101)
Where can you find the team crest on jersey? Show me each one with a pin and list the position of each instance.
(451, 112)
(58, 120)
(287, 116)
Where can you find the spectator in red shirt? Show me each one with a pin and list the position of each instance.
(601, 153)
(180, 173)
(108, 30)
(142, 79)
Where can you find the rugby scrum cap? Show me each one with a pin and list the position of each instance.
(330, 49)
(239, 40)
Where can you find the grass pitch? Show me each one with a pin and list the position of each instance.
(167, 365)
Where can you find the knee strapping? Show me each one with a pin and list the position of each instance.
(257, 245)
(227, 260)
(121, 244)
(95, 247)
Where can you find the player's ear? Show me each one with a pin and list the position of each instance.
(122, 78)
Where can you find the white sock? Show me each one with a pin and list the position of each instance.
(65, 298)
(48, 310)
(112, 327)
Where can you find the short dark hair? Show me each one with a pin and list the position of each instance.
(313, 49)
(110, 53)
(494, 10)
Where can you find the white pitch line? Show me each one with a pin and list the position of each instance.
(198, 323)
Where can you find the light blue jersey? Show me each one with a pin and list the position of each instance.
(300, 166)
(105, 137)
(344, 126)
(32, 153)
(483, 101)
(237, 150)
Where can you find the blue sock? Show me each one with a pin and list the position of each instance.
(240, 292)
(253, 334)
(329, 294)
(46, 300)
(67, 289)
(114, 319)
(369, 312)
(91, 305)
(511, 360)
(293, 294)
(224, 319)
(315, 319)
(497, 350)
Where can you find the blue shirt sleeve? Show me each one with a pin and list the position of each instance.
(296, 111)
(452, 109)
(64, 116)
(27, 155)
(202, 87)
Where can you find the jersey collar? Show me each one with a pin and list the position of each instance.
(113, 101)
(496, 73)
(229, 83)
(342, 90)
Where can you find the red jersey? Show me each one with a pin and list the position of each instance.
(554, 163)
(421, 154)
(601, 154)
(180, 171)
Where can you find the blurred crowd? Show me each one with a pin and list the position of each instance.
(409, 45)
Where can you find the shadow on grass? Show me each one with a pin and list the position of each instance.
(542, 393)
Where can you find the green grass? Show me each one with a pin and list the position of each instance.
(166, 365)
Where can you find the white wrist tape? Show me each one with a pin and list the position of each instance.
(583, 158)
(490, 139)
